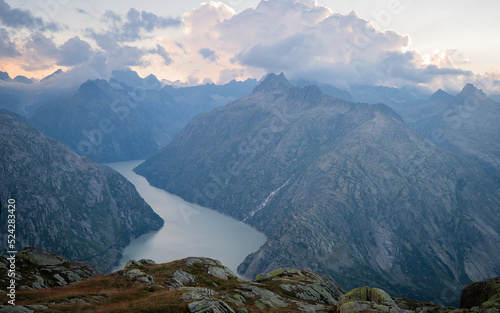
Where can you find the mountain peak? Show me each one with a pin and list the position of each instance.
(151, 82)
(5, 76)
(22, 79)
(471, 90)
(128, 77)
(90, 89)
(439, 95)
(274, 82)
(59, 71)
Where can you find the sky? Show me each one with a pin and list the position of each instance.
(427, 44)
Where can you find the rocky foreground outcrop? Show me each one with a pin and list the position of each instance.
(40, 269)
(202, 285)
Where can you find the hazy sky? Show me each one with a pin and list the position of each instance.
(390, 42)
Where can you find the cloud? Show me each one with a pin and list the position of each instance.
(74, 51)
(40, 52)
(17, 18)
(7, 47)
(134, 27)
(212, 42)
(126, 56)
(82, 11)
(110, 16)
(305, 40)
(106, 41)
(208, 54)
(120, 39)
(159, 50)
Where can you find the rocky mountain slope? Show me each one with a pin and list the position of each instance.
(467, 123)
(64, 202)
(199, 285)
(344, 189)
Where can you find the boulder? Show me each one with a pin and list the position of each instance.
(366, 299)
(483, 294)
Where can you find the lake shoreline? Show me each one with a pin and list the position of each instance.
(189, 230)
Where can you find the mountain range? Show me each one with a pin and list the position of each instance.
(402, 195)
(467, 124)
(346, 189)
(127, 118)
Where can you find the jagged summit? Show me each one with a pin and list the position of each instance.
(127, 76)
(151, 82)
(274, 82)
(280, 84)
(90, 89)
(5, 76)
(471, 90)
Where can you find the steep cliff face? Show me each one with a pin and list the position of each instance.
(341, 188)
(64, 202)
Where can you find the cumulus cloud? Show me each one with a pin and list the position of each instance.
(7, 47)
(303, 39)
(40, 52)
(212, 42)
(17, 18)
(135, 26)
(119, 41)
(74, 51)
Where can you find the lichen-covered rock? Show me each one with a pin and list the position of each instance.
(265, 296)
(139, 276)
(140, 263)
(366, 299)
(197, 293)
(304, 285)
(206, 306)
(420, 306)
(181, 278)
(38, 256)
(483, 294)
(39, 269)
(286, 271)
(132, 263)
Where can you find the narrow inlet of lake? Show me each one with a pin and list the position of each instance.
(189, 230)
